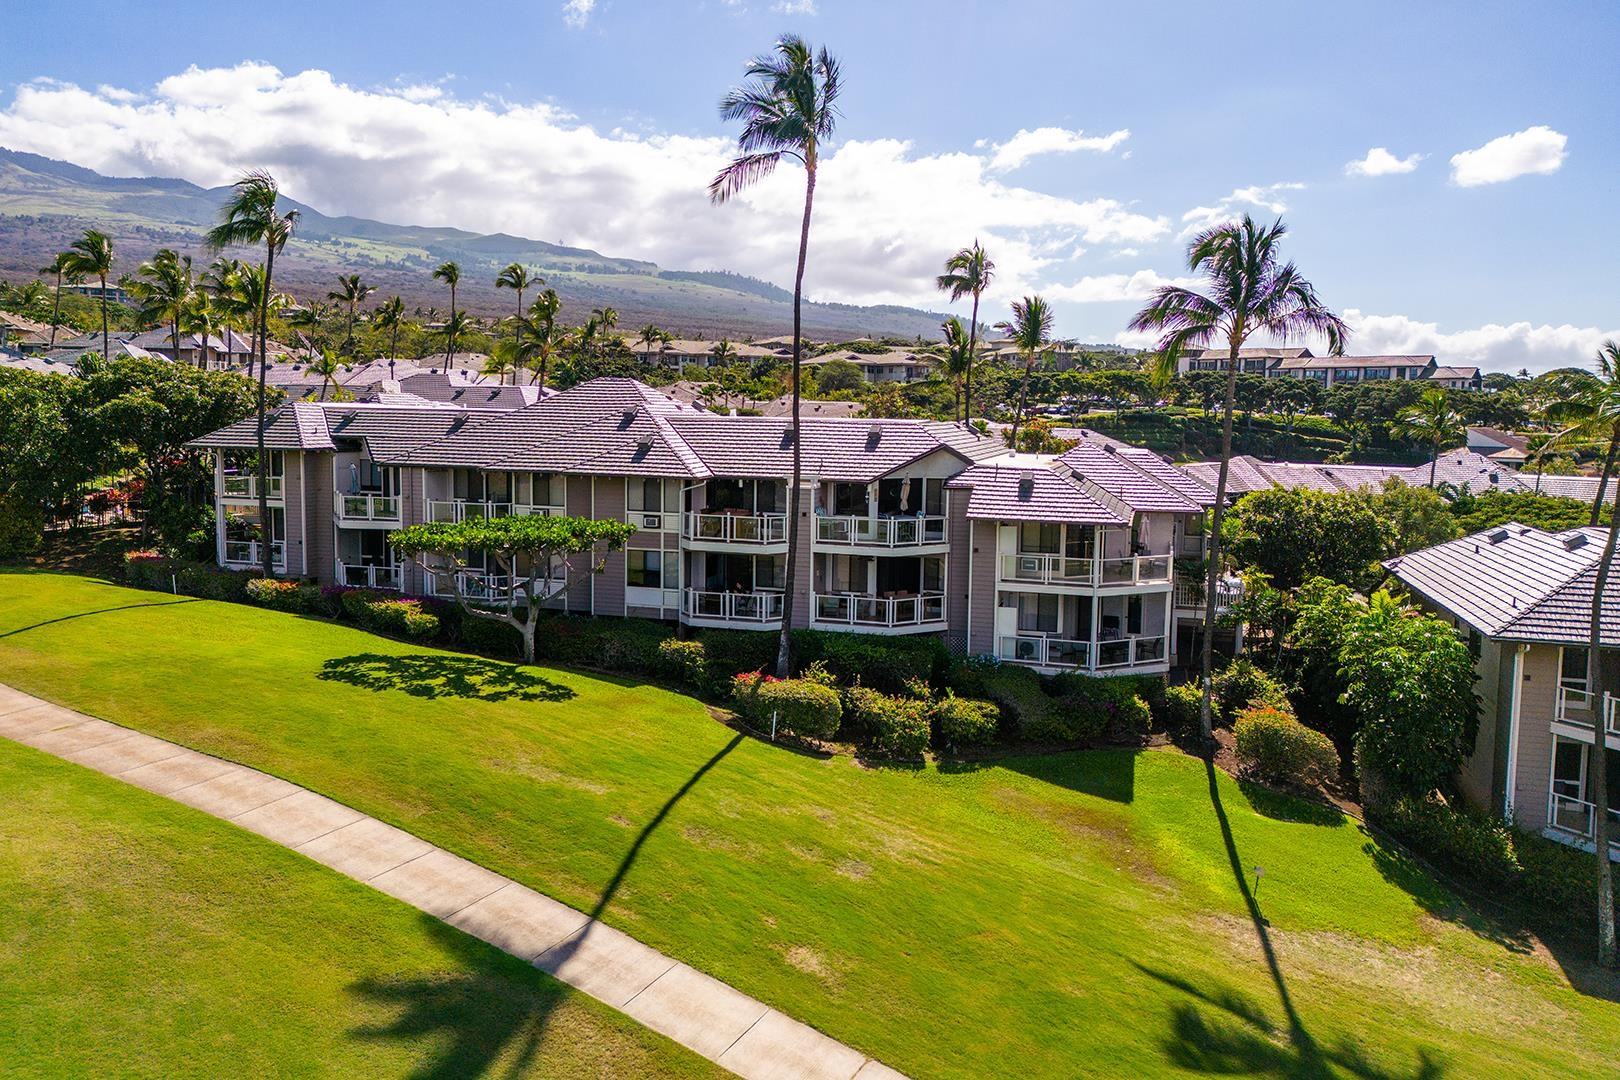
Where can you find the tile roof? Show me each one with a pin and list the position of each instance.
(1318, 362)
(1019, 492)
(1127, 480)
(298, 426)
(1583, 488)
(851, 451)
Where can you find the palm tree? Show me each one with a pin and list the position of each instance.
(539, 336)
(650, 336)
(516, 276)
(390, 316)
(502, 359)
(252, 217)
(1593, 413)
(958, 359)
(91, 255)
(1249, 292)
(968, 273)
(351, 291)
(327, 367)
(1031, 334)
(198, 316)
(457, 324)
(722, 353)
(602, 320)
(450, 274)
(62, 267)
(219, 283)
(163, 286)
(1432, 419)
(788, 108)
(1597, 771)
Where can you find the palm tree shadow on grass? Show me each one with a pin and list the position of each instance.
(1236, 1037)
(98, 611)
(438, 675)
(474, 1016)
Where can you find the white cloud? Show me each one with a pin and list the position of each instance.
(1027, 144)
(886, 216)
(1535, 150)
(794, 7)
(577, 13)
(1380, 162)
(1112, 288)
(1493, 347)
(1233, 206)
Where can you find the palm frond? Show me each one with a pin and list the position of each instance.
(742, 173)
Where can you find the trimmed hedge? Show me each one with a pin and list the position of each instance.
(802, 708)
(149, 570)
(279, 595)
(964, 721)
(1277, 748)
(491, 638)
(603, 642)
(684, 661)
(883, 663)
(1463, 841)
(898, 726)
(1183, 705)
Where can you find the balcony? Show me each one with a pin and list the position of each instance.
(1043, 569)
(476, 586)
(889, 532)
(1190, 594)
(367, 509)
(473, 509)
(245, 487)
(755, 608)
(1573, 819)
(735, 528)
(250, 553)
(860, 610)
(1575, 708)
(363, 576)
(1114, 655)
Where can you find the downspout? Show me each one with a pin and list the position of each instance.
(1511, 782)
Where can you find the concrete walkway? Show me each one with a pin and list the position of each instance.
(698, 1012)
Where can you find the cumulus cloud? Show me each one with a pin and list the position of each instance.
(886, 216)
(794, 7)
(1494, 346)
(1537, 150)
(1380, 162)
(1027, 144)
(577, 13)
(1230, 208)
(1112, 288)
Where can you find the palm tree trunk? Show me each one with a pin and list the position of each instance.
(267, 533)
(795, 496)
(106, 345)
(1605, 475)
(1434, 463)
(1023, 399)
(973, 342)
(1212, 576)
(1597, 682)
(56, 308)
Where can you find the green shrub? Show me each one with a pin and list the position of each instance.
(1131, 719)
(898, 726)
(686, 661)
(1242, 685)
(806, 709)
(492, 638)
(1181, 710)
(22, 528)
(967, 676)
(883, 663)
(1277, 748)
(1016, 691)
(1089, 707)
(1556, 879)
(211, 582)
(964, 721)
(1478, 846)
(146, 570)
(278, 595)
(818, 673)
(732, 652)
(402, 618)
(602, 642)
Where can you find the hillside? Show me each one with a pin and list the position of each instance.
(45, 204)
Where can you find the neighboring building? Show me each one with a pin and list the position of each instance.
(1524, 596)
(908, 526)
(1498, 445)
(1255, 361)
(889, 366)
(1457, 378)
(20, 334)
(1459, 469)
(1300, 363)
(116, 294)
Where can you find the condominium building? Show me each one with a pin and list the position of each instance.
(907, 526)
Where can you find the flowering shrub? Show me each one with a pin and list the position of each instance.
(283, 595)
(804, 708)
(1277, 748)
(897, 725)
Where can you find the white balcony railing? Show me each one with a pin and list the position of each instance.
(739, 607)
(472, 509)
(476, 587)
(366, 507)
(1190, 594)
(1132, 651)
(739, 528)
(364, 576)
(246, 486)
(854, 530)
(1138, 650)
(249, 553)
(1574, 817)
(1045, 569)
(1575, 708)
(855, 609)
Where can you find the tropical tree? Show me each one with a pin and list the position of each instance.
(91, 255)
(968, 273)
(1248, 292)
(502, 359)
(327, 366)
(390, 317)
(197, 316)
(1030, 331)
(539, 337)
(252, 217)
(958, 360)
(1432, 420)
(516, 276)
(163, 287)
(62, 267)
(651, 335)
(1602, 684)
(722, 353)
(450, 274)
(352, 292)
(1592, 412)
(788, 108)
(456, 325)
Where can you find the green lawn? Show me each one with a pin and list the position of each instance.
(145, 939)
(1069, 915)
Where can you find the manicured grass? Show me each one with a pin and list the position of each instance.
(1070, 915)
(145, 939)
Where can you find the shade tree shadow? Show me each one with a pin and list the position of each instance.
(440, 675)
(1106, 774)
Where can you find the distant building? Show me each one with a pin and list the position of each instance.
(1300, 363)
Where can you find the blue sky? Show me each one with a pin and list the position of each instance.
(596, 124)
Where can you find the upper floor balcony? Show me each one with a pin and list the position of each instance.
(1577, 709)
(1086, 573)
(473, 509)
(884, 531)
(896, 611)
(1189, 593)
(734, 527)
(365, 508)
(245, 487)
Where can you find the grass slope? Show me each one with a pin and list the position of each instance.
(145, 939)
(1069, 915)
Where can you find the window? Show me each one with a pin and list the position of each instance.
(1572, 668)
(1133, 615)
(1569, 769)
(1038, 538)
(645, 494)
(649, 570)
(1038, 613)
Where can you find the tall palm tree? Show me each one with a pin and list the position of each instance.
(91, 255)
(456, 325)
(326, 365)
(540, 337)
(1248, 292)
(390, 316)
(163, 287)
(722, 353)
(351, 291)
(788, 108)
(252, 217)
(62, 267)
(1030, 331)
(650, 335)
(450, 274)
(599, 325)
(1600, 686)
(198, 316)
(516, 276)
(968, 273)
(1592, 412)
(1432, 419)
(958, 359)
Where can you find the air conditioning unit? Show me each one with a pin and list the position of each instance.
(652, 521)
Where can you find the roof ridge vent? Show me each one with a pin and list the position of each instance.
(1496, 536)
(1575, 542)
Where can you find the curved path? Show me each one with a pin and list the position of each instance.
(701, 1013)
